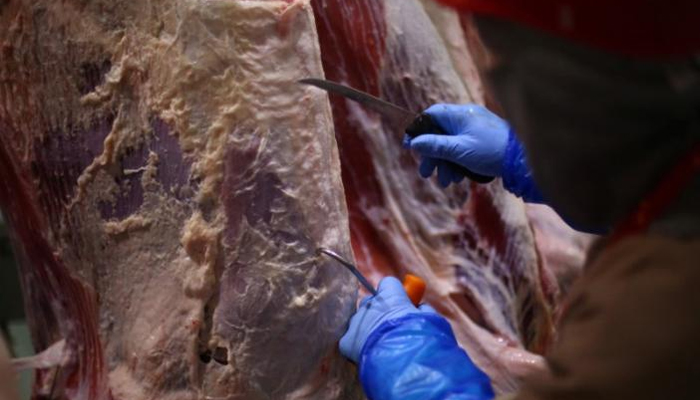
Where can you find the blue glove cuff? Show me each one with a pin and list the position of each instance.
(417, 357)
(516, 174)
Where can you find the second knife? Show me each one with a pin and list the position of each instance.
(416, 123)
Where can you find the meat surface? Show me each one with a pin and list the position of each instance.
(562, 249)
(8, 380)
(472, 244)
(167, 182)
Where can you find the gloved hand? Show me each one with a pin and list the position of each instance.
(391, 302)
(476, 139)
(409, 353)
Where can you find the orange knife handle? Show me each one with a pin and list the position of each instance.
(415, 288)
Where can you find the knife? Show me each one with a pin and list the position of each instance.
(413, 285)
(416, 123)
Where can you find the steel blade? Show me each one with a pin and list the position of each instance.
(398, 115)
(347, 264)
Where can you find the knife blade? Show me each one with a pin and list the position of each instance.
(412, 284)
(415, 124)
(351, 267)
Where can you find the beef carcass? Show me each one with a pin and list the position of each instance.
(167, 182)
(561, 249)
(475, 248)
(8, 380)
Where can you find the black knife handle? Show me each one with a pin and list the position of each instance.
(423, 124)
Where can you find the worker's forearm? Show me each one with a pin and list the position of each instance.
(516, 174)
(518, 179)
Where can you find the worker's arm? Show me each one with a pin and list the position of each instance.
(478, 140)
(407, 353)
(630, 329)
(516, 174)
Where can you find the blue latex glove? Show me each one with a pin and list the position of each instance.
(416, 357)
(476, 139)
(409, 353)
(516, 174)
(391, 302)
